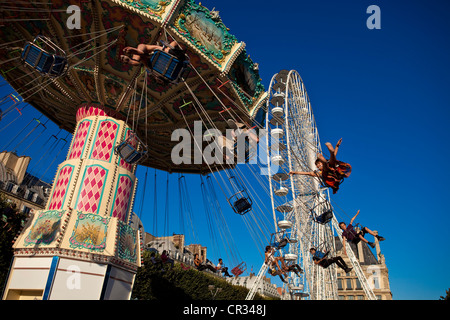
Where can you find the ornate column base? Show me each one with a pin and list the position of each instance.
(81, 246)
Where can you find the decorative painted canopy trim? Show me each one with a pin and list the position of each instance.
(234, 56)
(245, 79)
(89, 110)
(152, 9)
(205, 31)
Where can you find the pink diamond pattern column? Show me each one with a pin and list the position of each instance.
(60, 190)
(87, 110)
(95, 179)
(122, 199)
(85, 220)
(91, 190)
(80, 139)
(104, 142)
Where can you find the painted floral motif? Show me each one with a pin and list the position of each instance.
(90, 232)
(153, 7)
(127, 244)
(45, 228)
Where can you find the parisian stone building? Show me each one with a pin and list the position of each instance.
(374, 267)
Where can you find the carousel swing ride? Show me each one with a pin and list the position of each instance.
(124, 115)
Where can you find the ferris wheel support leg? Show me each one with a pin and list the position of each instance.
(261, 273)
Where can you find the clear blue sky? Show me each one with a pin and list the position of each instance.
(385, 92)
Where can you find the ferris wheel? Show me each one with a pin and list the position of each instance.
(302, 213)
(296, 200)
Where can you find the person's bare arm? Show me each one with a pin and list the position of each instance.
(337, 147)
(312, 174)
(149, 48)
(353, 219)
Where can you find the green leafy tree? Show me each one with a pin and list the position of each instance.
(447, 295)
(157, 282)
(11, 223)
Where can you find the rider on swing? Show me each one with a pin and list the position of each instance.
(143, 51)
(331, 171)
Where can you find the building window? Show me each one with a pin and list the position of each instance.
(375, 277)
(359, 297)
(349, 284)
(358, 284)
(340, 284)
(26, 210)
(376, 283)
(350, 298)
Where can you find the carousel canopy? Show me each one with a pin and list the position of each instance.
(223, 82)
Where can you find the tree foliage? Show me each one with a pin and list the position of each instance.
(447, 295)
(11, 223)
(156, 283)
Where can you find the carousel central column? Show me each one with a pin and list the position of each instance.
(81, 242)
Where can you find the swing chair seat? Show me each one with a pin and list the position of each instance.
(50, 62)
(322, 213)
(319, 254)
(279, 240)
(325, 217)
(242, 206)
(240, 202)
(239, 269)
(128, 152)
(168, 66)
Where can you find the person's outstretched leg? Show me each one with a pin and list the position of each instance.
(333, 152)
